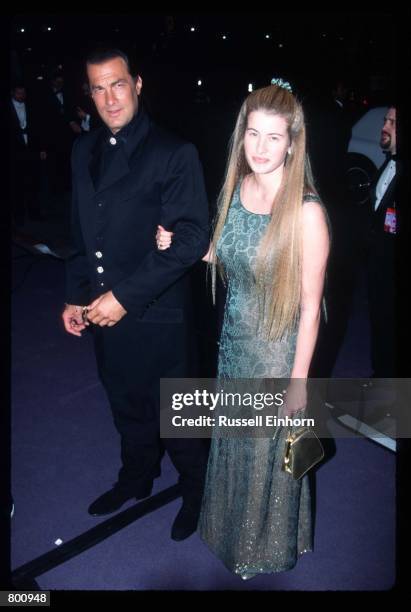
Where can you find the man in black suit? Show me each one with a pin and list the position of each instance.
(128, 177)
(381, 264)
(25, 157)
(60, 127)
(329, 133)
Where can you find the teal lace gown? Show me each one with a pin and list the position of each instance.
(254, 517)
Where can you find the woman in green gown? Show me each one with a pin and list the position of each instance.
(271, 244)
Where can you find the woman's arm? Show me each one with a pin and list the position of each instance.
(315, 250)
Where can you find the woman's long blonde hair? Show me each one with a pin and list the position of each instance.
(278, 266)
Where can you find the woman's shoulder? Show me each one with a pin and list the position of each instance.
(310, 196)
(314, 213)
(313, 205)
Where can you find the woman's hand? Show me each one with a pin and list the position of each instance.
(295, 397)
(163, 238)
(208, 257)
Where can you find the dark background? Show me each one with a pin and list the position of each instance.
(311, 49)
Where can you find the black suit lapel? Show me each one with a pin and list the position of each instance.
(95, 166)
(373, 189)
(14, 118)
(103, 177)
(17, 127)
(388, 197)
(116, 169)
(137, 139)
(124, 158)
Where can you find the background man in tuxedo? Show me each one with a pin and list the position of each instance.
(26, 157)
(60, 127)
(128, 177)
(381, 264)
(329, 132)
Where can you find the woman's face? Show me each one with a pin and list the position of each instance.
(266, 142)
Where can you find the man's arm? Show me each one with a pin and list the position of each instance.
(185, 211)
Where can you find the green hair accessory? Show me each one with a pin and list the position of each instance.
(280, 83)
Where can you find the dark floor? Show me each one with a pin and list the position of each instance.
(65, 452)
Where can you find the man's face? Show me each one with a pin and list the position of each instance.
(388, 141)
(19, 94)
(58, 83)
(114, 91)
(341, 91)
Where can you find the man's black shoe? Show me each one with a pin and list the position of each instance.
(185, 523)
(113, 500)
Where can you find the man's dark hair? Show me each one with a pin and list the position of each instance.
(99, 56)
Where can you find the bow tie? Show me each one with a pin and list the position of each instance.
(392, 157)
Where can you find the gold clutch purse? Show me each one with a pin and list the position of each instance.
(303, 450)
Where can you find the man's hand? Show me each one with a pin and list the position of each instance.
(105, 310)
(73, 319)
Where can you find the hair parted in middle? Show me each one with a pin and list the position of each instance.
(278, 267)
